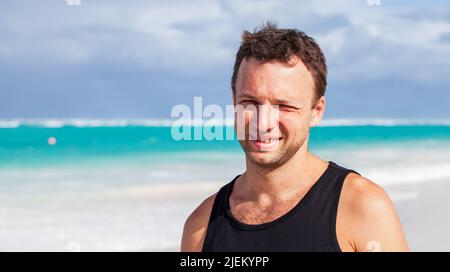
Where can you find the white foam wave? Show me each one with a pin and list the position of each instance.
(9, 123)
(383, 122)
(58, 123)
(410, 174)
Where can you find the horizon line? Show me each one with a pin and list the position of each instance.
(165, 122)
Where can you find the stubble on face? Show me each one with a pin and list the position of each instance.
(268, 83)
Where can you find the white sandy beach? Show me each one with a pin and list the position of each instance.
(150, 218)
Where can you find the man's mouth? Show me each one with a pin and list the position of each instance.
(267, 140)
(266, 143)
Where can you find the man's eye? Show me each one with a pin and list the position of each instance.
(286, 107)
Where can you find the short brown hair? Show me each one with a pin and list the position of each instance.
(269, 43)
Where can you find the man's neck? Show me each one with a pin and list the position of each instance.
(283, 182)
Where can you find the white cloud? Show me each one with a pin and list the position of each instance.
(361, 42)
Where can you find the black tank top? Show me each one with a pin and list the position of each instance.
(309, 226)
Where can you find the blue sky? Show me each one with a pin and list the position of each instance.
(137, 59)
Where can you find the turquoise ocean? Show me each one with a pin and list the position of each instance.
(128, 185)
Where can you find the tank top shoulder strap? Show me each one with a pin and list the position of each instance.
(221, 199)
(340, 174)
(217, 212)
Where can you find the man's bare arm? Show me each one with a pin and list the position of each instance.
(196, 225)
(367, 220)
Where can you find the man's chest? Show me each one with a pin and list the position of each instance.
(250, 213)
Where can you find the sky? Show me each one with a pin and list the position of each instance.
(138, 59)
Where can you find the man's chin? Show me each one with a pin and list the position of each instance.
(263, 159)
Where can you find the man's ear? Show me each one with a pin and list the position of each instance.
(318, 111)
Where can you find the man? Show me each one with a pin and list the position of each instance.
(289, 199)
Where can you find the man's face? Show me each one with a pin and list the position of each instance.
(277, 114)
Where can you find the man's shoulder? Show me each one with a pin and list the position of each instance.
(202, 212)
(368, 216)
(364, 195)
(196, 225)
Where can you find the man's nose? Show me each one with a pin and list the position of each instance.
(267, 118)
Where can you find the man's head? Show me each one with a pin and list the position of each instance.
(279, 79)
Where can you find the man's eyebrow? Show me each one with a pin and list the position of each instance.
(288, 103)
(247, 96)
